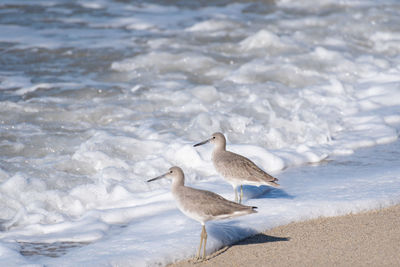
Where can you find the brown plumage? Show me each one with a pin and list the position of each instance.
(236, 169)
(208, 205)
(202, 205)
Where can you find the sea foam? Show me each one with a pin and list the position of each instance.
(98, 97)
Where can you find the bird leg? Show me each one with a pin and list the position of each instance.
(236, 194)
(205, 241)
(201, 242)
(241, 194)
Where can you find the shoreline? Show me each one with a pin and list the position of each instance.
(361, 239)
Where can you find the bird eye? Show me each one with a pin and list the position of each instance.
(213, 137)
(170, 171)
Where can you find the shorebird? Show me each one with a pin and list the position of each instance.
(236, 169)
(202, 205)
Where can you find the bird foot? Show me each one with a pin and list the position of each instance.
(198, 259)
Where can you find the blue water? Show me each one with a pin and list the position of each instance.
(98, 96)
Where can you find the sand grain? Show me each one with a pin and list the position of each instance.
(366, 239)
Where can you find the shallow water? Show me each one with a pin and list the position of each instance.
(98, 96)
(53, 250)
(372, 168)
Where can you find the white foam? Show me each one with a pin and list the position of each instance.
(210, 25)
(262, 39)
(10, 256)
(166, 61)
(98, 97)
(92, 4)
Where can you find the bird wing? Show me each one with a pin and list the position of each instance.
(211, 205)
(235, 165)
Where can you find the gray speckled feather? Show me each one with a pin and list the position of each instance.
(230, 164)
(236, 169)
(202, 205)
(208, 205)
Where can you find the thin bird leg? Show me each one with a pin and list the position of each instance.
(205, 241)
(201, 242)
(236, 194)
(241, 194)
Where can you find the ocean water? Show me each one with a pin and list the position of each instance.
(98, 96)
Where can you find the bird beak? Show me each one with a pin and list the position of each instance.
(156, 178)
(202, 143)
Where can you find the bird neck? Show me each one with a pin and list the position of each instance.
(178, 181)
(177, 187)
(219, 147)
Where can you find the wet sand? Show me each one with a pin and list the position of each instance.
(365, 239)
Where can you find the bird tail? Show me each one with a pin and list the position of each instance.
(243, 210)
(269, 180)
(273, 182)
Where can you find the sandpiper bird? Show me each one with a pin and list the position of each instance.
(202, 205)
(236, 169)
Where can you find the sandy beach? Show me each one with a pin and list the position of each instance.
(366, 239)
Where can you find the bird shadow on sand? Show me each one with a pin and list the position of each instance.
(261, 239)
(254, 192)
(252, 240)
(227, 231)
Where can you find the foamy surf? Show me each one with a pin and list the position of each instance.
(97, 97)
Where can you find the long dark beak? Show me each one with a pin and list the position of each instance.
(202, 143)
(156, 178)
